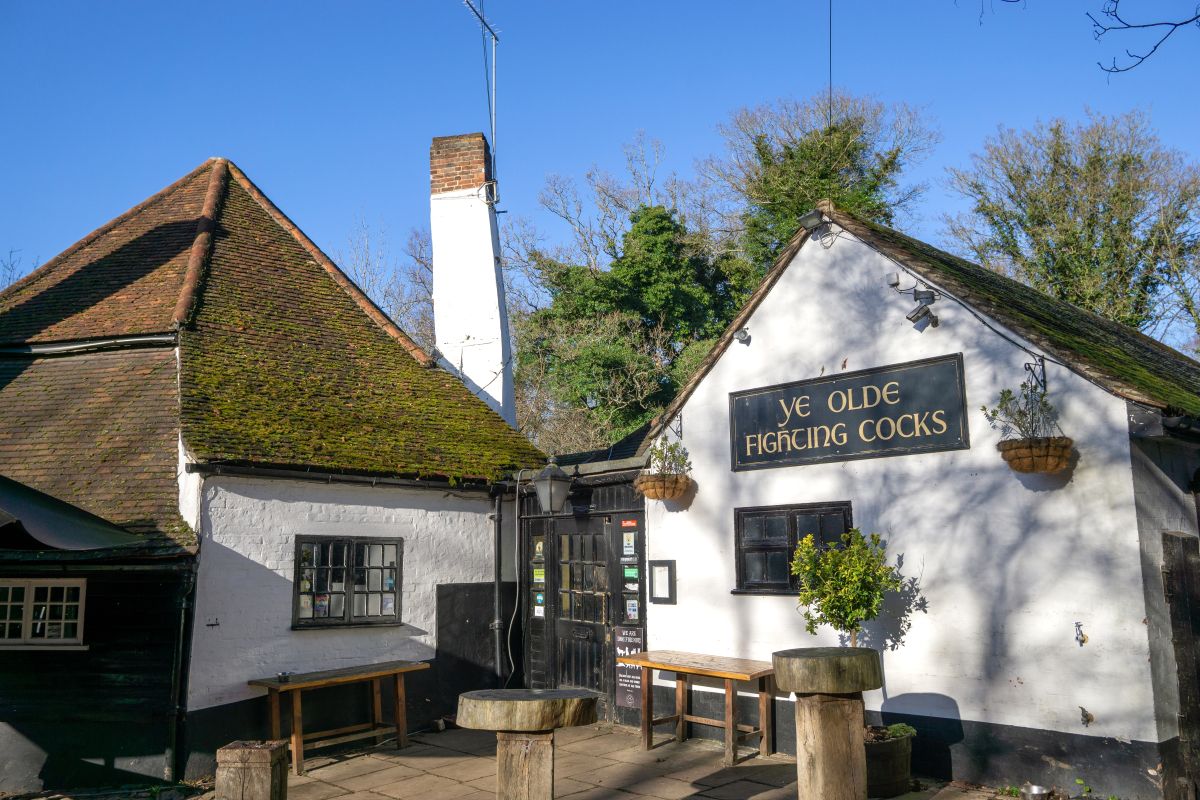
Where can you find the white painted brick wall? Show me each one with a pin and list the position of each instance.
(247, 530)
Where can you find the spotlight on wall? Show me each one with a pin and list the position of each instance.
(923, 295)
(922, 312)
(742, 335)
(811, 220)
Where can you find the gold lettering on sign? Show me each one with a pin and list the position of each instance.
(797, 406)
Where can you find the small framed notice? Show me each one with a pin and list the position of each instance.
(662, 582)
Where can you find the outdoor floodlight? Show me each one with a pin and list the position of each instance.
(923, 295)
(553, 486)
(811, 220)
(919, 313)
(742, 335)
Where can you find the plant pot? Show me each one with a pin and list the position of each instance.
(889, 767)
(1049, 455)
(662, 486)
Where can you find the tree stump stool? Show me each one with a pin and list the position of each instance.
(524, 721)
(831, 759)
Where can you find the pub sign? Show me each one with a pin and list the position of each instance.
(917, 407)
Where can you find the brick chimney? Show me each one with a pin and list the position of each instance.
(470, 319)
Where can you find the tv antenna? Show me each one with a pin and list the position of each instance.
(486, 31)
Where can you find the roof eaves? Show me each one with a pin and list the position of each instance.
(342, 279)
(1070, 358)
(201, 245)
(722, 344)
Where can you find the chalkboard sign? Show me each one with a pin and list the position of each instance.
(917, 407)
(629, 641)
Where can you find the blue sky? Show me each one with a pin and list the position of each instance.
(330, 106)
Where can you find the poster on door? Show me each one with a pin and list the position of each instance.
(629, 678)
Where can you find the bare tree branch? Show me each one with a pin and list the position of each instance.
(1111, 20)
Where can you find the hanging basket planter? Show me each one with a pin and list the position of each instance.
(662, 486)
(1047, 455)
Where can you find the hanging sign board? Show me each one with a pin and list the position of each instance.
(629, 641)
(918, 407)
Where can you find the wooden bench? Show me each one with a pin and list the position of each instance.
(684, 665)
(375, 673)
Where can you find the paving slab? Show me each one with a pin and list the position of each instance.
(391, 773)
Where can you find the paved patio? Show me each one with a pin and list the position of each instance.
(598, 761)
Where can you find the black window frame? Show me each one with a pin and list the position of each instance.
(791, 512)
(347, 620)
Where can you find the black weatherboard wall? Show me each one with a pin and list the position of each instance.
(101, 716)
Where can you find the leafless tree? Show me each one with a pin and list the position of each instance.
(402, 288)
(10, 268)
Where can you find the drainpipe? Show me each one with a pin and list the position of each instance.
(498, 623)
(175, 728)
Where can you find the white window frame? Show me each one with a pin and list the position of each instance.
(27, 642)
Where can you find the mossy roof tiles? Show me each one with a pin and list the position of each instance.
(281, 366)
(283, 362)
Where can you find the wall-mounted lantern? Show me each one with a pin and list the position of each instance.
(553, 487)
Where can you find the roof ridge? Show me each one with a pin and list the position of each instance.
(41, 271)
(201, 245)
(360, 298)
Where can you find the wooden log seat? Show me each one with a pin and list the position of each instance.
(730, 670)
(300, 682)
(831, 759)
(524, 721)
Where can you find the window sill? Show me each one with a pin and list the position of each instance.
(76, 648)
(344, 626)
(768, 592)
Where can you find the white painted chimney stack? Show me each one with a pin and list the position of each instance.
(469, 316)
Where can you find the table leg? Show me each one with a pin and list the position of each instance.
(647, 708)
(273, 700)
(377, 705)
(765, 715)
(681, 704)
(730, 723)
(401, 712)
(297, 734)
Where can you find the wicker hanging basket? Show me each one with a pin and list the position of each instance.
(1048, 455)
(657, 486)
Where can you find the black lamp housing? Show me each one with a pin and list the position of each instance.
(553, 486)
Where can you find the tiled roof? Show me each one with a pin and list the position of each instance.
(122, 279)
(1115, 357)
(282, 367)
(97, 430)
(283, 362)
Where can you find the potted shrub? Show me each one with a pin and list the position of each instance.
(666, 476)
(1031, 440)
(843, 587)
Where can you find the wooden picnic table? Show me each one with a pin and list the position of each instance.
(731, 670)
(298, 682)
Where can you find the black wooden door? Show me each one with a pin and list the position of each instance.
(583, 605)
(1181, 584)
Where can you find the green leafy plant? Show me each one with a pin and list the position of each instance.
(899, 730)
(1024, 415)
(1008, 791)
(843, 586)
(669, 458)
